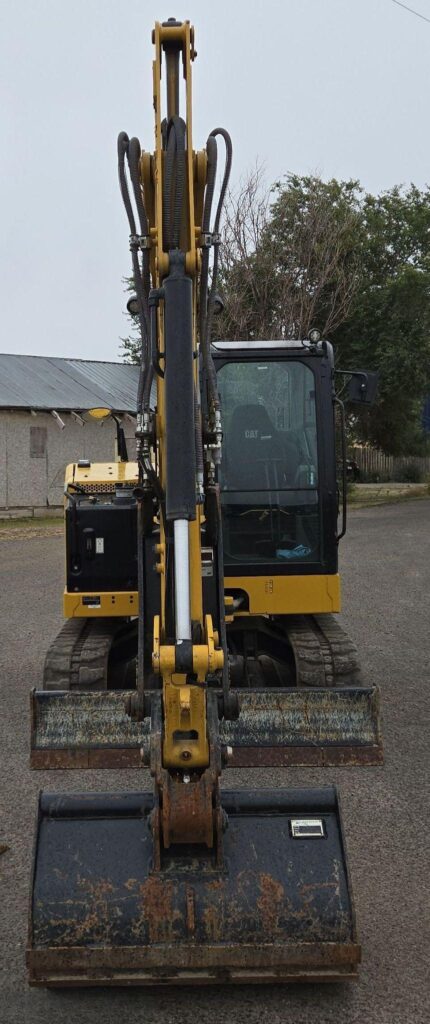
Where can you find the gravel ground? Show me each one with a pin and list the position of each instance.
(386, 573)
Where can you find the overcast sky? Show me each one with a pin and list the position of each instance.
(335, 86)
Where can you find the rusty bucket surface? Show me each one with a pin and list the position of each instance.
(280, 908)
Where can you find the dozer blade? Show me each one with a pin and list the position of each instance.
(327, 726)
(279, 910)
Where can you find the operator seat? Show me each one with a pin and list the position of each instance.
(255, 456)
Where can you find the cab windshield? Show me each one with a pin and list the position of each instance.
(269, 469)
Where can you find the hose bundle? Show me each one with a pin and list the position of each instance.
(207, 295)
(130, 149)
(173, 199)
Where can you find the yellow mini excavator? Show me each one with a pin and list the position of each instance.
(201, 585)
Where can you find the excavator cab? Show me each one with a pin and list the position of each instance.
(270, 492)
(214, 555)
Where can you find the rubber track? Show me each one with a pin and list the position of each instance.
(78, 657)
(324, 654)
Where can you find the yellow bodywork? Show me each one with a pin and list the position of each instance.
(186, 742)
(274, 595)
(122, 603)
(287, 595)
(111, 474)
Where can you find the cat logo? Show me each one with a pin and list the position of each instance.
(251, 433)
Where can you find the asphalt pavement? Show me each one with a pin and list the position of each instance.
(386, 597)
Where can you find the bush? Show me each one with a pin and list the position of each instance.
(411, 474)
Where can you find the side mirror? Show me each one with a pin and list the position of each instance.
(362, 387)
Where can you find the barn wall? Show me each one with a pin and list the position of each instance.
(34, 453)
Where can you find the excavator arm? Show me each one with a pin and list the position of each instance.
(177, 186)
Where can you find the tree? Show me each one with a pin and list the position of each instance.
(289, 257)
(357, 266)
(246, 278)
(388, 327)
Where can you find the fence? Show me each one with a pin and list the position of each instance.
(373, 464)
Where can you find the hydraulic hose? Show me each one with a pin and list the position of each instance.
(224, 185)
(131, 149)
(122, 146)
(212, 156)
(133, 156)
(207, 302)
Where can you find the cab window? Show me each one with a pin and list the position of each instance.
(269, 469)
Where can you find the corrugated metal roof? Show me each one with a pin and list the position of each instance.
(42, 382)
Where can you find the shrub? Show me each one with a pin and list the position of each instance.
(411, 474)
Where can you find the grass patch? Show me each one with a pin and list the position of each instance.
(31, 522)
(388, 498)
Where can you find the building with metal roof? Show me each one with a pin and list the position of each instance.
(43, 382)
(44, 423)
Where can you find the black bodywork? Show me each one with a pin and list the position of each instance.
(101, 542)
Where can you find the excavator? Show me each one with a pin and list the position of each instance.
(201, 590)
